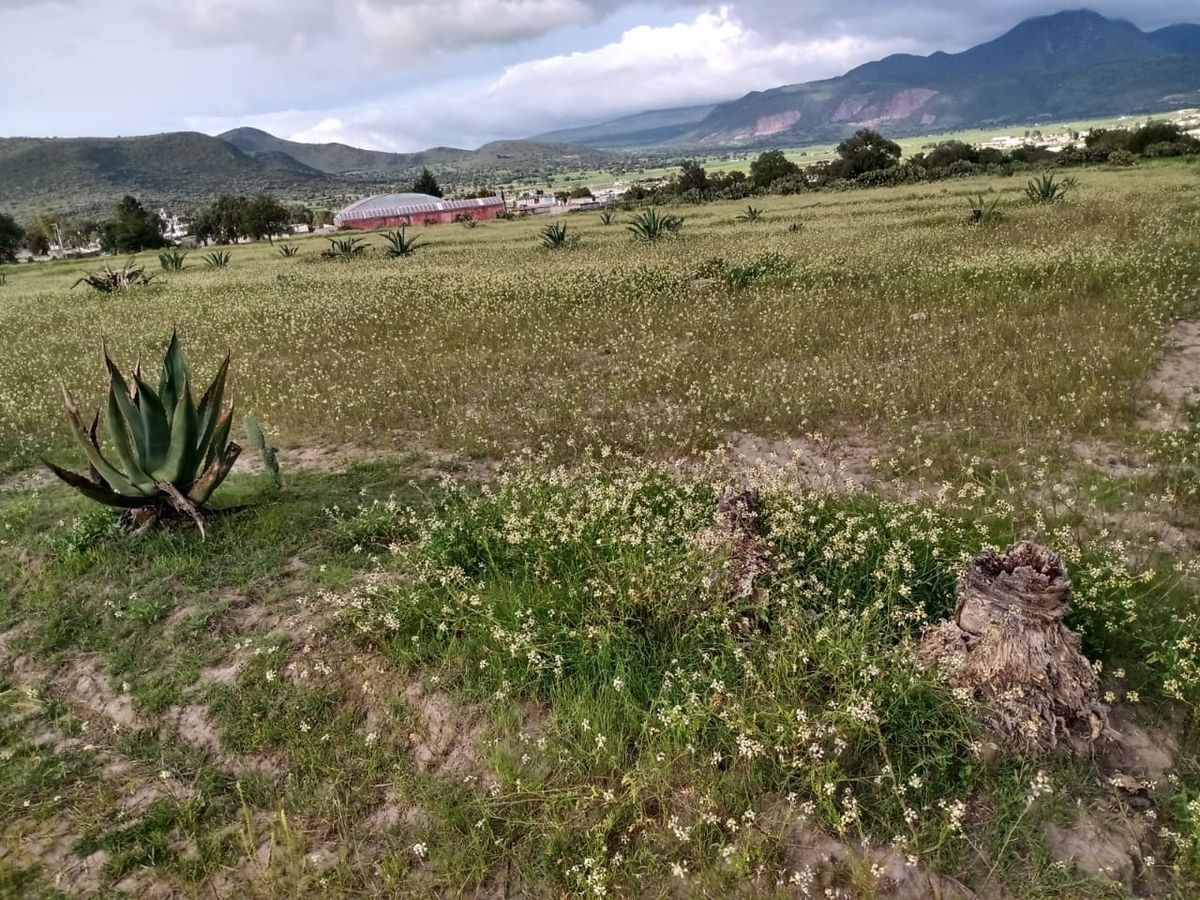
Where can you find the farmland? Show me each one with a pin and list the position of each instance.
(473, 647)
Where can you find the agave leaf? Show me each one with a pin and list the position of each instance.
(220, 438)
(210, 408)
(123, 447)
(174, 374)
(93, 491)
(218, 468)
(155, 425)
(92, 473)
(180, 463)
(259, 441)
(120, 394)
(113, 477)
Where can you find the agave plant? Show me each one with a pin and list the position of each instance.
(607, 216)
(796, 228)
(287, 251)
(982, 211)
(109, 280)
(172, 260)
(650, 226)
(752, 214)
(344, 248)
(218, 259)
(168, 453)
(1045, 188)
(554, 236)
(399, 244)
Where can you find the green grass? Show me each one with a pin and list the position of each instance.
(391, 679)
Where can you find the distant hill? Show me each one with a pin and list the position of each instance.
(340, 159)
(1069, 65)
(87, 176)
(638, 130)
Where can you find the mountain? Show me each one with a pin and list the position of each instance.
(89, 175)
(1071, 65)
(638, 130)
(340, 159)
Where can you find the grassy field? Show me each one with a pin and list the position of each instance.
(475, 647)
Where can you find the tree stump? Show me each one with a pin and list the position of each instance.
(1009, 646)
(741, 558)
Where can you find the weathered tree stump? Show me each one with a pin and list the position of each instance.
(741, 558)
(1009, 646)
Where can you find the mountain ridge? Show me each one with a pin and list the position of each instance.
(1047, 66)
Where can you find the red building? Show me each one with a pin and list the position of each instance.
(395, 210)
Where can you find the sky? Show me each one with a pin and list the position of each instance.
(408, 74)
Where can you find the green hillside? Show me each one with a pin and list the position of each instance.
(88, 175)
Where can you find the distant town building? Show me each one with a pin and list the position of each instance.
(395, 210)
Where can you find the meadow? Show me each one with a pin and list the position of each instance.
(475, 646)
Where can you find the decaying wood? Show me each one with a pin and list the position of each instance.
(740, 554)
(1009, 645)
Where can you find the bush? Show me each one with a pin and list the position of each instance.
(1120, 158)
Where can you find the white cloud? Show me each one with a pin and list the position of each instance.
(712, 57)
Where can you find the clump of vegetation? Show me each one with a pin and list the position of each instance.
(769, 266)
(554, 236)
(172, 260)
(287, 251)
(109, 280)
(347, 248)
(750, 214)
(982, 211)
(607, 217)
(650, 225)
(1046, 188)
(169, 452)
(399, 244)
(218, 259)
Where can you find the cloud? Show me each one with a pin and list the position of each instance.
(709, 58)
(424, 72)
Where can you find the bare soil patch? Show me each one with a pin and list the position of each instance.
(1176, 379)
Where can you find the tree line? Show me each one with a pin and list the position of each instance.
(868, 159)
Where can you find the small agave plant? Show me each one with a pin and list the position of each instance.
(168, 453)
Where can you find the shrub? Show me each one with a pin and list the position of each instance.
(650, 226)
(345, 248)
(399, 244)
(554, 236)
(109, 280)
(1121, 158)
(1045, 188)
(172, 260)
(169, 453)
(982, 211)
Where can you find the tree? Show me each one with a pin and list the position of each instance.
(692, 176)
(263, 216)
(39, 234)
(223, 221)
(11, 235)
(427, 184)
(770, 167)
(866, 151)
(133, 229)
